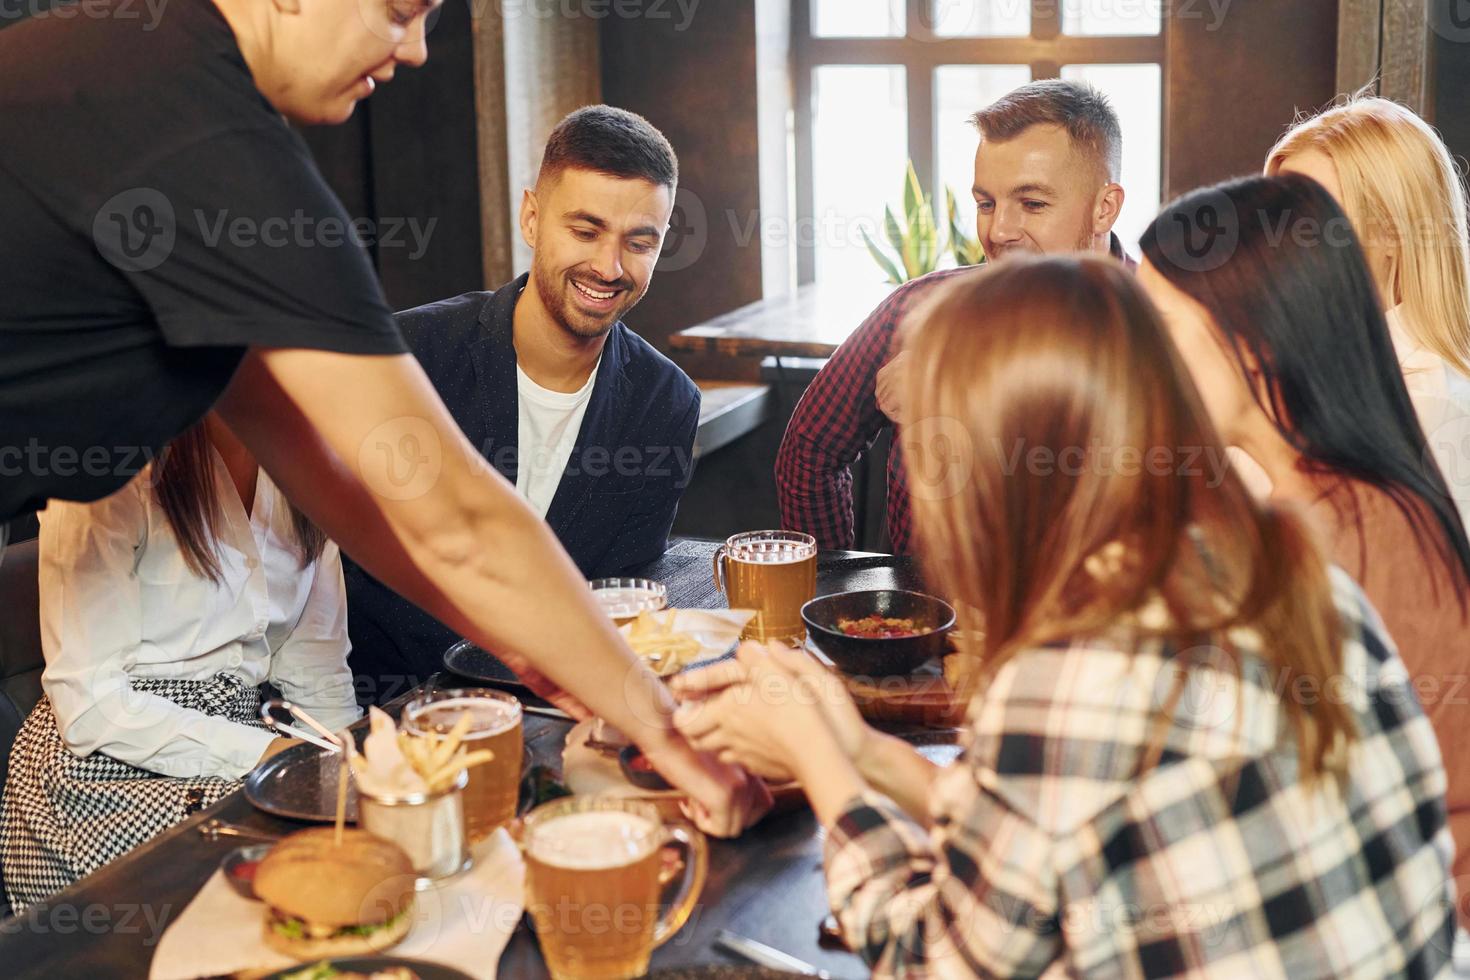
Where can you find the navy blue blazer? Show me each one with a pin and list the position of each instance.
(615, 505)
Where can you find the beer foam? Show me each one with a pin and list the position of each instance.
(776, 556)
(623, 603)
(593, 841)
(491, 717)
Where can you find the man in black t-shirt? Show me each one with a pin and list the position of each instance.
(153, 228)
(166, 245)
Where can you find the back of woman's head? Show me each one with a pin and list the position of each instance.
(1287, 286)
(1406, 198)
(1064, 472)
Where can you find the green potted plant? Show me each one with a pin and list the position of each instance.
(915, 242)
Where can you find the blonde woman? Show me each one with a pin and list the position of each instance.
(1405, 197)
(1141, 793)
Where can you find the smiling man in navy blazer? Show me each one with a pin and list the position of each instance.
(593, 426)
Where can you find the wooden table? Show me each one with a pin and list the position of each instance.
(767, 885)
(812, 322)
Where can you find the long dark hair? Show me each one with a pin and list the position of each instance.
(1276, 263)
(185, 487)
(1066, 355)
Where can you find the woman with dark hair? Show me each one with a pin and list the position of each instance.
(1285, 335)
(164, 608)
(1138, 795)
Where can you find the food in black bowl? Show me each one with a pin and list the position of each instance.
(879, 633)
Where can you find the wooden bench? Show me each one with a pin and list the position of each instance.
(729, 410)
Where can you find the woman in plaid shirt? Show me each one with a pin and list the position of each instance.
(1191, 747)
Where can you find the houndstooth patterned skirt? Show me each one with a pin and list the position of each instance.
(64, 816)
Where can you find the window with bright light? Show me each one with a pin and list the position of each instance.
(883, 82)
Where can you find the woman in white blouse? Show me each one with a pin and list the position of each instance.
(164, 608)
(1399, 186)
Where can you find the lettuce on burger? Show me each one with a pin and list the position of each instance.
(331, 900)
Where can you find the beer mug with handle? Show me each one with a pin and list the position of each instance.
(772, 572)
(595, 877)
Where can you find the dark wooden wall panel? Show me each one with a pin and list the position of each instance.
(698, 85)
(407, 158)
(425, 166)
(1450, 98)
(342, 154)
(1231, 91)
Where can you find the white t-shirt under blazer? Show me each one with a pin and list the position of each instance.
(549, 424)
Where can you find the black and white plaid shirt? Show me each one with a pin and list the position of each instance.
(1051, 852)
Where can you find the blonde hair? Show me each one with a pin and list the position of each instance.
(1066, 356)
(1401, 188)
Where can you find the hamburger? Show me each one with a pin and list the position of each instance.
(329, 900)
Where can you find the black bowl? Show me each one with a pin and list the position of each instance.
(879, 657)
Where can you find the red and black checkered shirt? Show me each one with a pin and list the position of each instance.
(838, 419)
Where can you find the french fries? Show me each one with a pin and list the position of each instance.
(665, 651)
(438, 759)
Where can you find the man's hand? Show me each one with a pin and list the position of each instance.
(723, 799)
(890, 387)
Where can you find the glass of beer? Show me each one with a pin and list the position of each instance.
(595, 878)
(493, 790)
(772, 572)
(624, 598)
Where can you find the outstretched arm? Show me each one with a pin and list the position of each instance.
(366, 448)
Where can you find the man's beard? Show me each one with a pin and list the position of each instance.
(553, 290)
(1084, 243)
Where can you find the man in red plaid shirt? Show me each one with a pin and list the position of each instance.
(1046, 180)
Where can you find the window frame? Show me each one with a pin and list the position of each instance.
(920, 52)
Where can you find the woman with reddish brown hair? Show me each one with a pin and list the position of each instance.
(1146, 789)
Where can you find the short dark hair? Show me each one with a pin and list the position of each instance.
(1082, 110)
(611, 141)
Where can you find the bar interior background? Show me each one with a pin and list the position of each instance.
(730, 84)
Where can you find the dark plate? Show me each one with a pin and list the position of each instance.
(301, 784)
(473, 663)
(367, 964)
